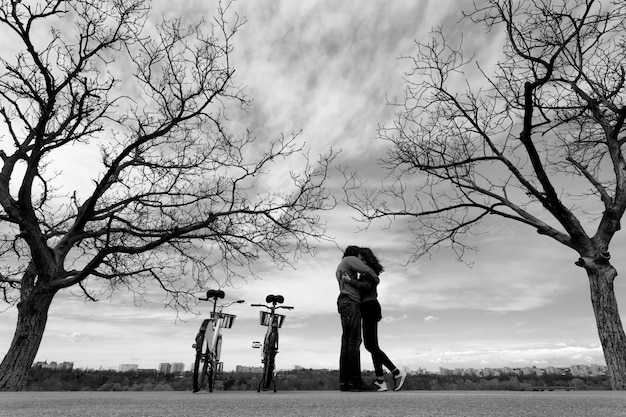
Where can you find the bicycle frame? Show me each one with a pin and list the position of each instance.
(273, 321)
(207, 344)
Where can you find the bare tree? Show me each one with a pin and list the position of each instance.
(175, 200)
(538, 142)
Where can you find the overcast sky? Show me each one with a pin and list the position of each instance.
(326, 68)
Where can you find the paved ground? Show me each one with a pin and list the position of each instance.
(314, 403)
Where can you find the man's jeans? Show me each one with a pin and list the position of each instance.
(350, 357)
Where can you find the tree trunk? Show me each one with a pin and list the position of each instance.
(608, 321)
(31, 322)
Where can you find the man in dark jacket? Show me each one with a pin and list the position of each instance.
(349, 307)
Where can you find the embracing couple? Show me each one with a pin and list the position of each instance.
(358, 276)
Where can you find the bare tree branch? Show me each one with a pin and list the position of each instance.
(538, 141)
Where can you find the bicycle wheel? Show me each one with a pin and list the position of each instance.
(214, 363)
(269, 359)
(203, 355)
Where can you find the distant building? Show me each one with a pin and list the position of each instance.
(128, 367)
(552, 370)
(579, 370)
(420, 371)
(165, 368)
(178, 368)
(54, 365)
(587, 370)
(582, 371)
(529, 370)
(249, 369)
(491, 372)
(445, 371)
(597, 370)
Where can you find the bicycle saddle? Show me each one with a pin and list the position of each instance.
(215, 294)
(278, 299)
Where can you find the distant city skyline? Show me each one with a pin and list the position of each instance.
(178, 367)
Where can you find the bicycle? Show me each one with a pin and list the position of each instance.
(208, 345)
(273, 321)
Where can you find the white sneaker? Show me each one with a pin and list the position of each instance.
(399, 380)
(379, 386)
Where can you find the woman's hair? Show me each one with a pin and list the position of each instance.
(351, 251)
(371, 260)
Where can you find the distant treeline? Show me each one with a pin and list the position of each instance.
(42, 379)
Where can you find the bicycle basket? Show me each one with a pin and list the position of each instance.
(265, 318)
(227, 319)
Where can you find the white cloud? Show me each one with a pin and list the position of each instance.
(392, 319)
(509, 356)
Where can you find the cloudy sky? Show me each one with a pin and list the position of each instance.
(327, 68)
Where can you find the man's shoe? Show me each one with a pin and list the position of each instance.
(399, 380)
(361, 387)
(379, 386)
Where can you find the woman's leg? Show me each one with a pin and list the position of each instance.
(370, 338)
(371, 316)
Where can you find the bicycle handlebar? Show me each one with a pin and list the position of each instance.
(223, 305)
(266, 306)
(231, 303)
